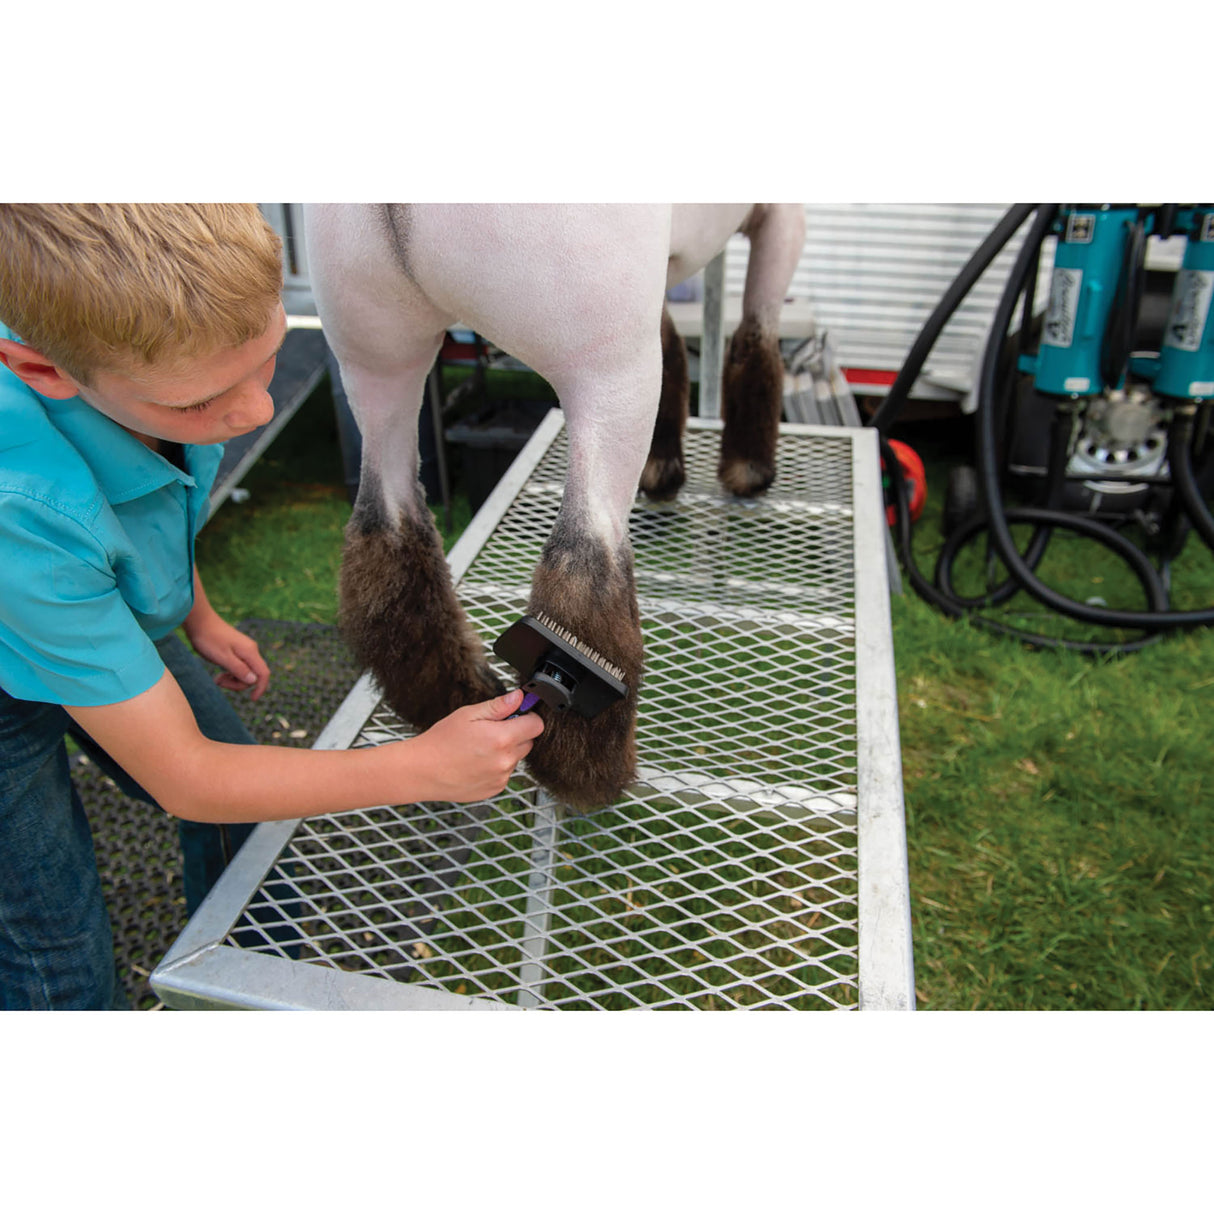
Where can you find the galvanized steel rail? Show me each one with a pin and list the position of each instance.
(758, 862)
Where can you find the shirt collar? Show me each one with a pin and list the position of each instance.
(123, 467)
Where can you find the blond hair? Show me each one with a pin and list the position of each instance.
(107, 286)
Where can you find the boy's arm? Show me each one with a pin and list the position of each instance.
(218, 641)
(467, 756)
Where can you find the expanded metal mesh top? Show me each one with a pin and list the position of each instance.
(727, 875)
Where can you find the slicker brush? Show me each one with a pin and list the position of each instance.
(559, 669)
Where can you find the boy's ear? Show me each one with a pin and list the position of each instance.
(37, 371)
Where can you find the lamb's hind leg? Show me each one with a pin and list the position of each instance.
(752, 389)
(575, 293)
(399, 611)
(585, 577)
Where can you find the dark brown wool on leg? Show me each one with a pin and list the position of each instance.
(401, 618)
(664, 473)
(590, 591)
(752, 399)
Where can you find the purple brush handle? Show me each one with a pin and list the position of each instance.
(530, 700)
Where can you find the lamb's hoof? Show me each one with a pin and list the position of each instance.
(663, 478)
(745, 477)
(589, 590)
(586, 763)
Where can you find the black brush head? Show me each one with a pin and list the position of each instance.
(558, 668)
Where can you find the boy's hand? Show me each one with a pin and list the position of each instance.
(213, 638)
(216, 640)
(471, 754)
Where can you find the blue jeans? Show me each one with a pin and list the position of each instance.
(56, 948)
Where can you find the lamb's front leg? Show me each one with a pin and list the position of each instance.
(585, 578)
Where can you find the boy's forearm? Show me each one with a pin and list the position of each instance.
(223, 782)
(467, 756)
(194, 777)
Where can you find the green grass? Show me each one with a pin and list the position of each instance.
(1057, 827)
(1058, 832)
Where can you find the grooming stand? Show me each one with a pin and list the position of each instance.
(758, 862)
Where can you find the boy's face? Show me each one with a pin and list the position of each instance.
(208, 399)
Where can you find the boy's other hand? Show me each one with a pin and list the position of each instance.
(213, 638)
(472, 753)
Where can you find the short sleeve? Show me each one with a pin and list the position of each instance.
(66, 634)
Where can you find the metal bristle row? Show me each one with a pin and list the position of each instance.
(593, 654)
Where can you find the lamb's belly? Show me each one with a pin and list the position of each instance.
(698, 232)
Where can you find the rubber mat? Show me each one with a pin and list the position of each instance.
(136, 845)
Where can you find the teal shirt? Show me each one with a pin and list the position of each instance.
(96, 549)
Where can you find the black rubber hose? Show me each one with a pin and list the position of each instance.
(988, 473)
(1180, 437)
(950, 301)
(1055, 487)
(922, 586)
(1087, 526)
(949, 606)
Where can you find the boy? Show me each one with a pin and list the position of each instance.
(133, 339)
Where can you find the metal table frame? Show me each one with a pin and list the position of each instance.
(204, 969)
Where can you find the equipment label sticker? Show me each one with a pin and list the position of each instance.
(1059, 325)
(1190, 307)
(1080, 229)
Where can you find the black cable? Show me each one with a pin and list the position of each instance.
(1085, 525)
(1059, 455)
(950, 606)
(1183, 478)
